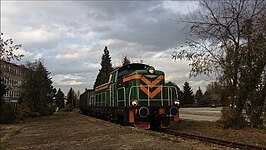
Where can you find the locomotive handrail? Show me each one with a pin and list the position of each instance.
(169, 97)
(173, 87)
(106, 96)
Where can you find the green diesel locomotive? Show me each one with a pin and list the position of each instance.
(135, 94)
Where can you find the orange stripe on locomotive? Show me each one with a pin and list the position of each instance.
(149, 84)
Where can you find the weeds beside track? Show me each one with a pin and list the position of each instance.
(214, 140)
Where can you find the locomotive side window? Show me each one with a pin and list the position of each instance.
(124, 72)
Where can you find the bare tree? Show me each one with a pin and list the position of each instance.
(125, 60)
(7, 49)
(230, 43)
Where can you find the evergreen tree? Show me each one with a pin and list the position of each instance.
(188, 97)
(77, 95)
(28, 94)
(71, 99)
(106, 69)
(59, 98)
(37, 88)
(199, 97)
(45, 85)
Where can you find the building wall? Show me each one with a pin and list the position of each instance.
(12, 76)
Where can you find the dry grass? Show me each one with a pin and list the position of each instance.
(213, 129)
(72, 130)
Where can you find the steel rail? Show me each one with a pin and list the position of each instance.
(215, 140)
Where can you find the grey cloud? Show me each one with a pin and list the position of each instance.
(140, 22)
(141, 25)
(71, 67)
(138, 29)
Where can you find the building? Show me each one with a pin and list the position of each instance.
(12, 76)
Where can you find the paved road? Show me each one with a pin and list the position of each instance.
(201, 114)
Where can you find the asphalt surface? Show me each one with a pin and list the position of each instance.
(201, 114)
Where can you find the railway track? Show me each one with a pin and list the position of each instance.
(214, 140)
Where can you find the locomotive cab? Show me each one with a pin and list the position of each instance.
(150, 102)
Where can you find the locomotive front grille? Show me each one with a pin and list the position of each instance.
(165, 96)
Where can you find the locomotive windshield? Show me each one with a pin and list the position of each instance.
(125, 69)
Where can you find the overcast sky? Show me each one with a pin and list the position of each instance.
(70, 36)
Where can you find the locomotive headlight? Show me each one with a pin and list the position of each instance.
(134, 103)
(151, 70)
(176, 103)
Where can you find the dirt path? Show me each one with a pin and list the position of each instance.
(75, 131)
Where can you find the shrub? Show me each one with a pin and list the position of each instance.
(68, 107)
(35, 114)
(23, 112)
(46, 111)
(230, 118)
(8, 113)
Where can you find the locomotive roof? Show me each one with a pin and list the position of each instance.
(133, 66)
